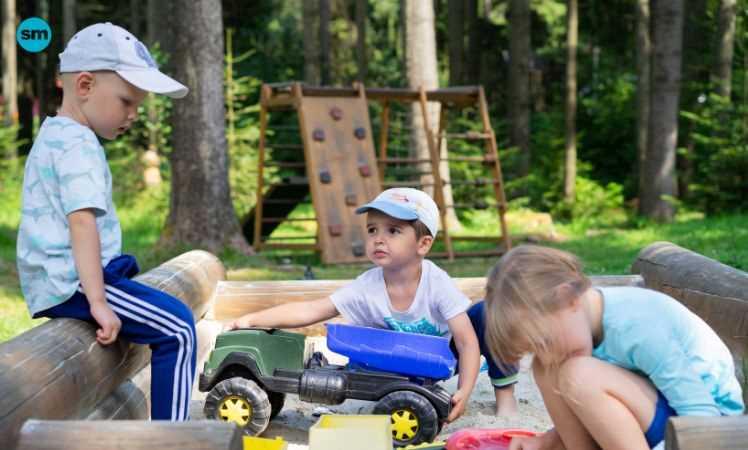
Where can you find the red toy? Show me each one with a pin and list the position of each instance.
(485, 439)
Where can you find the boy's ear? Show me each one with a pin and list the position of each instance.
(424, 244)
(568, 295)
(83, 83)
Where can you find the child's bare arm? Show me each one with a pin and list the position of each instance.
(289, 315)
(84, 237)
(469, 354)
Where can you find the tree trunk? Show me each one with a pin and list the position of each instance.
(310, 24)
(643, 72)
(422, 72)
(361, 57)
(471, 75)
(69, 19)
(456, 40)
(519, 75)
(202, 214)
(667, 19)
(135, 17)
(324, 41)
(10, 69)
(150, 22)
(570, 167)
(726, 40)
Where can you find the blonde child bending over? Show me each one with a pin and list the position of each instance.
(613, 364)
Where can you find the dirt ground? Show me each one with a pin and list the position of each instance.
(293, 423)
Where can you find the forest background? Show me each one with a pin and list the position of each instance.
(625, 120)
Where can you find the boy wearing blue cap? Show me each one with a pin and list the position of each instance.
(69, 239)
(404, 292)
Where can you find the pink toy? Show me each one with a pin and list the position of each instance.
(485, 439)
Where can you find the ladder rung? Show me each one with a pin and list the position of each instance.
(280, 201)
(284, 164)
(479, 182)
(477, 159)
(403, 161)
(288, 238)
(293, 146)
(469, 135)
(287, 219)
(414, 184)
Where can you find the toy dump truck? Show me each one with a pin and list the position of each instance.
(250, 371)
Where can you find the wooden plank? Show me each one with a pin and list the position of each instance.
(713, 433)
(235, 298)
(58, 371)
(458, 95)
(130, 435)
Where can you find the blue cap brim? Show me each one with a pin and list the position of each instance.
(391, 209)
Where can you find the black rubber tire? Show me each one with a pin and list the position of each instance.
(415, 404)
(250, 392)
(277, 400)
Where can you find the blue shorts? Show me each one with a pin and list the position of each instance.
(502, 375)
(656, 431)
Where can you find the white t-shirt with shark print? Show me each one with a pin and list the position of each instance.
(66, 171)
(365, 302)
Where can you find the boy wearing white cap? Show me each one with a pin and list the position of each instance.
(69, 239)
(404, 292)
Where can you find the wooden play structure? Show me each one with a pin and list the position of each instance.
(57, 375)
(341, 170)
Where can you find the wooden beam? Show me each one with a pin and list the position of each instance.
(713, 433)
(235, 298)
(129, 434)
(57, 370)
(714, 291)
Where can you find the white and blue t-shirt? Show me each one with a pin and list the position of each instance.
(365, 302)
(651, 333)
(66, 171)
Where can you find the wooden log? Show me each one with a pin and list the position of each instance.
(235, 298)
(713, 433)
(129, 434)
(57, 370)
(131, 400)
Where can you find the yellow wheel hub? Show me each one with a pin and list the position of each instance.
(235, 409)
(404, 425)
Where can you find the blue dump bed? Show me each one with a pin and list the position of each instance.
(416, 355)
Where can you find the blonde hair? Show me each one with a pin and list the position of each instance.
(524, 287)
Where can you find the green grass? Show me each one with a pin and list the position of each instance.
(604, 250)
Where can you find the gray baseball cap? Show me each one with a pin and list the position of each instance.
(104, 46)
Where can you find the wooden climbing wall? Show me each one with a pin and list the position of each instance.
(342, 172)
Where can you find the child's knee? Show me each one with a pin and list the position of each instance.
(576, 376)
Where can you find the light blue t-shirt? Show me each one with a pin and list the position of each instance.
(651, 333)
(66, 171)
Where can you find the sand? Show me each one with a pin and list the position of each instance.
(293, 423)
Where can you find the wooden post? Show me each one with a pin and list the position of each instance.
(713, 433)
(383, 135)
(235, 298)
(129, 434)
(438, 184)
(493, 153)
(265, 93)
(714, 291)
(57, 370)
